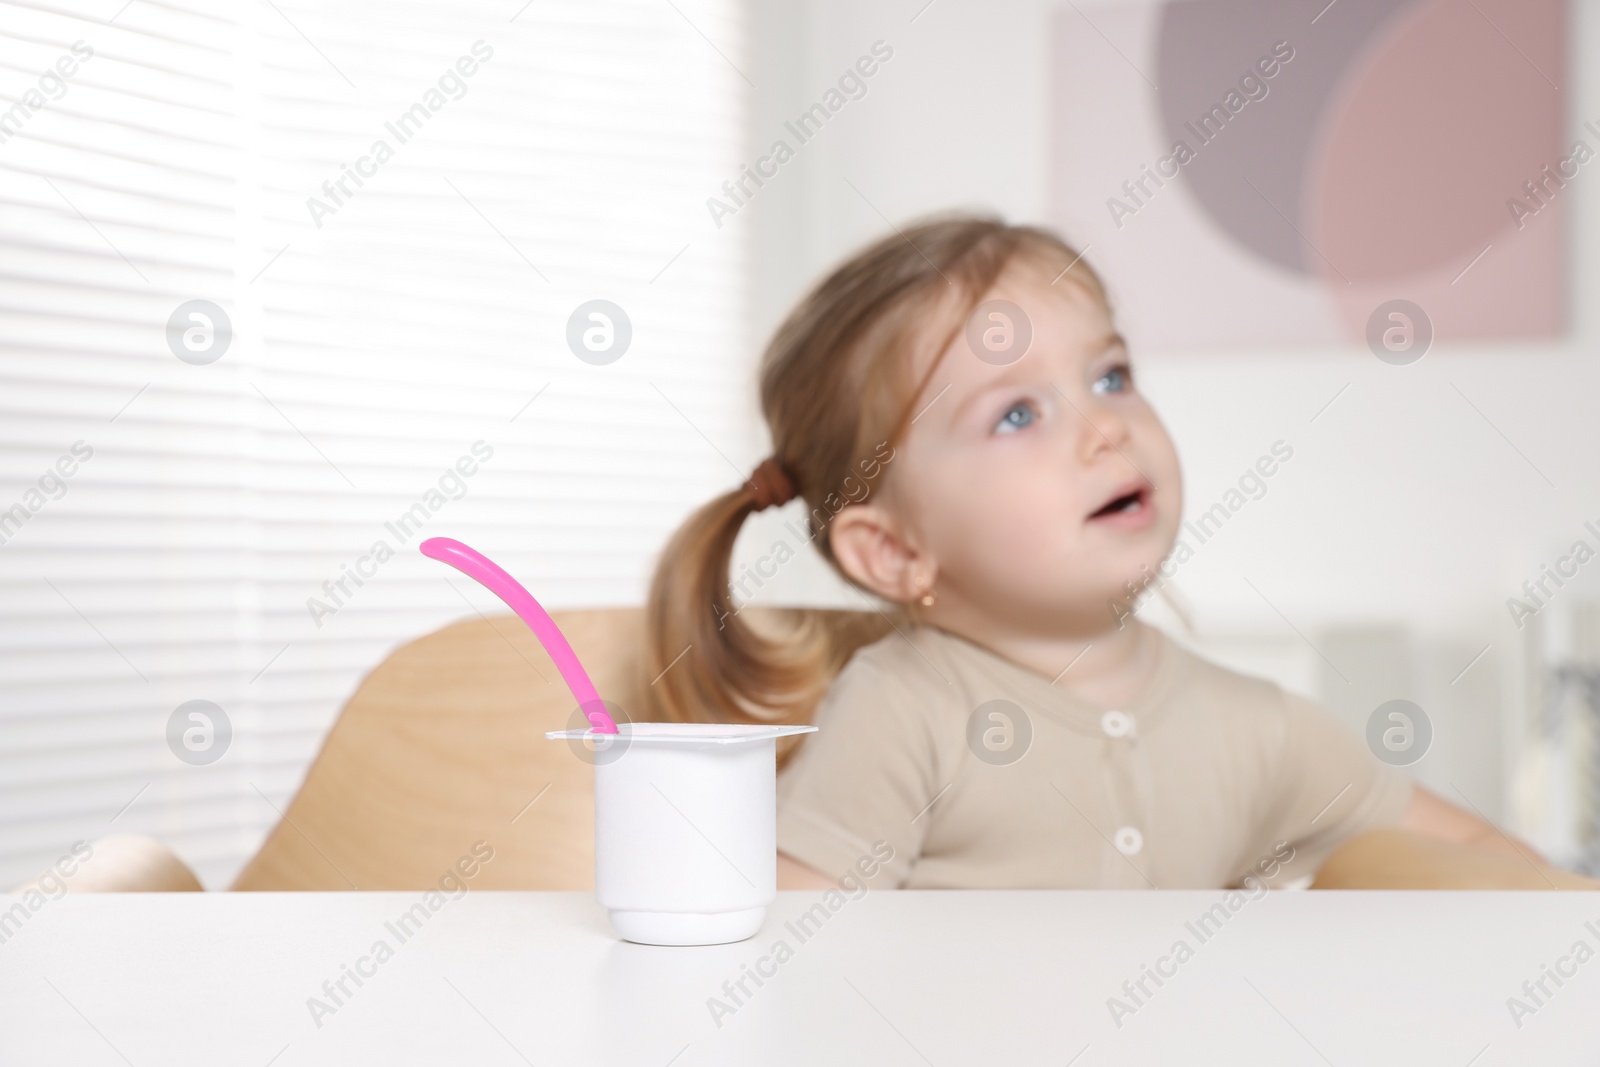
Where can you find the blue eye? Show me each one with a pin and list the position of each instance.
(1118, 379)
(1018, 416)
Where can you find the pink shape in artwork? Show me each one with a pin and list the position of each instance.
(1438, 127)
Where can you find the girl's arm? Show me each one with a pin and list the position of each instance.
(1440, 846)
(1433, 816)
(792, 874)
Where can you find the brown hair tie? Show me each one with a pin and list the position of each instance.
(770, 485)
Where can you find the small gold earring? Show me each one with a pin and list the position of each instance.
(927, 599)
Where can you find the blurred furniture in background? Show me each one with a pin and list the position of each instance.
(1556, 779)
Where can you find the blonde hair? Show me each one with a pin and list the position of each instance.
(836, 390)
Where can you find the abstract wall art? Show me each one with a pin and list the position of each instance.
(1251, 173)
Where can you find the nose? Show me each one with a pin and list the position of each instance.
(1102, 428)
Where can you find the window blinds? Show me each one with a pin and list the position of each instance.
(385, 217)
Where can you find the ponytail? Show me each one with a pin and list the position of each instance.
(714, 661)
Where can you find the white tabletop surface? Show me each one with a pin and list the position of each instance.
(909, 978)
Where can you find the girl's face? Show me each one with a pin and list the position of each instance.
(1035, 490)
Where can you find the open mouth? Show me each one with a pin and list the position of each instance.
(1128, 502)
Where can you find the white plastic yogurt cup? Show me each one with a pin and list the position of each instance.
(685, 828)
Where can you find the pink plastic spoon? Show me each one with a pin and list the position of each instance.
(492, 576)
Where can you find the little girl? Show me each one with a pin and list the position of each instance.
(957, 409)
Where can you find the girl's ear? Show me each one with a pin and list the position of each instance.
(873, 551)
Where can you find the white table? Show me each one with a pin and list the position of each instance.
(891, 978)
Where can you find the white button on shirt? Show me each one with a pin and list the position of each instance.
(1117, 724)
(1128, 840)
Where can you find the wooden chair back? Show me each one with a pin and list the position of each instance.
(443, 746)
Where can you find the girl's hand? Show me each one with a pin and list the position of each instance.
(792, 874)
(1441, 846)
